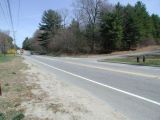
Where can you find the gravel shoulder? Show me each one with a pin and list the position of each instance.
(53, 99)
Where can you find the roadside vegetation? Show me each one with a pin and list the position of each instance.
(6, 44)
(96, 27)
(14, 89)
(6, 58)
(150, 60)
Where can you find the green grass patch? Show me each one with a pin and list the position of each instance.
(6, 58)
(2, 116)
(18, 116)
(150, 60)
(13, 116)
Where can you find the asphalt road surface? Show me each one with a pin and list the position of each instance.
(131, 90)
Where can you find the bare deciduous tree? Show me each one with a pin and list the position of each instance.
(89, 11)
(5, 42)
(64, 14)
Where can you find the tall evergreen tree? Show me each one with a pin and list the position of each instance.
(156, 26)
(143, 20)
(130, 27)
(119, 25)
(111, 31)
(27, 44)
(51, 22)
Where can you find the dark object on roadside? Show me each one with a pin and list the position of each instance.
(34, 53)
(14, 73)
(6, 84)
(2, 116)
(18, 116)
(21, 51)
(144, 59)
(137, 59)
(38, 53)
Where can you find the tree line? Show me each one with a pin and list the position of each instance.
(6, 43)
(97, 27)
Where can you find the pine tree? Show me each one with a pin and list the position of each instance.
(118, 26)
(156, 25)
(143, 20)
(131, 28)
(27, 44)
(111, 31)
(51, 22)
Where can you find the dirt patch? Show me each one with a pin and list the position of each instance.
(56, 100)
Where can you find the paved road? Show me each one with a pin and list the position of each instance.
(131, 90)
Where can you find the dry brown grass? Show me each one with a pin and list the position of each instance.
(139, 49)
(149, 48)
(14, 89)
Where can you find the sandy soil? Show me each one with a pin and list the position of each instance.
(55, 100)
(139, 49)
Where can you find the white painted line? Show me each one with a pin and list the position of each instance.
(101, 84)
(108, 69)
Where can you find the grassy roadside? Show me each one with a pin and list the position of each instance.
(6, 58)
(150, 60)
(14, 89)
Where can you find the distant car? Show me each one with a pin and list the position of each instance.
(43, 53)
(38, 53)
(34, 53)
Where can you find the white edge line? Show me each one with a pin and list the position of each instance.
(101, 84)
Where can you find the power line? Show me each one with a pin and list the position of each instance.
(8, 11)
(2, 10)
(5, 18)
(6, 6)
(11, 19)
(18, 15)
(10, 14)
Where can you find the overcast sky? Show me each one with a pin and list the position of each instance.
(31, 12)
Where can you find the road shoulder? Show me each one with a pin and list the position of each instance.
(54, 99)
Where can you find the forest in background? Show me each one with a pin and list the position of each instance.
(97, 27)
(6, 43)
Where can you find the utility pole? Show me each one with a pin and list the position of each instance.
(12, 26)
(14, 40)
